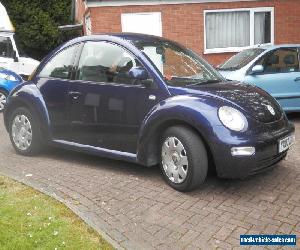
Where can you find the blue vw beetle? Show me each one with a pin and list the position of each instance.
(8, 80)
(147, 100)
(275, 69)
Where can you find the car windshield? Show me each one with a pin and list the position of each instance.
(178, 65)
(241, 59)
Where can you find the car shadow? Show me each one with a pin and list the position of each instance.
(213, 184)
(92, 161)
(294, 117)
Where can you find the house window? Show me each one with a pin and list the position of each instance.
(236, 29)
(145, 23)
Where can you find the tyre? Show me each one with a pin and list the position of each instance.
(24, 132)
(3, 96)
(184, 161)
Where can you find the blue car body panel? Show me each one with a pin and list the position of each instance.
(28, 94)
(195, 107)
(9, 85)
(284, 87)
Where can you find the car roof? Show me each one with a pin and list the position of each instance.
(134, 36)
(122, 36)
(125, 37)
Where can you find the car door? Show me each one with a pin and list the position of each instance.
(54, 83)
(107, 105)
(280, 77)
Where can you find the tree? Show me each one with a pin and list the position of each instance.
(36, 23)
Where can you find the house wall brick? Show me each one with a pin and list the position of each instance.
(80, 11)
(185, 22)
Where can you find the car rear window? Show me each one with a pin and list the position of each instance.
(241, 59)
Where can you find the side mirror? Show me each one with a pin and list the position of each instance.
(257, 69)
(138, 73)
(16, 59)
(141, 75)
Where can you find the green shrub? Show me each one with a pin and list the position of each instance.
(36, 23)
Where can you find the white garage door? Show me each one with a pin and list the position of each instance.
(146, 23)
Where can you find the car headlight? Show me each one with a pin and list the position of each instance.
(232, 118)
(7, 77)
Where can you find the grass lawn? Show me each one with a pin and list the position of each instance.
(32, 220)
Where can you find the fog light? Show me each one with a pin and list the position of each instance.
(293, 139)
(242, 151)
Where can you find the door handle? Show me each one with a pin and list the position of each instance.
(297, 79)
(75, 95)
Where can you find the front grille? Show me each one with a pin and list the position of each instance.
(267, 163)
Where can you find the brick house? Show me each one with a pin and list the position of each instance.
(214, 29)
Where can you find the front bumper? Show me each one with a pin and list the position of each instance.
(266, 152)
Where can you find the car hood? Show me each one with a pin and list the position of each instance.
(30, 65)
(252, 100)
(233, 75)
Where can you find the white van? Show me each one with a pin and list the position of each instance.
(10, 56)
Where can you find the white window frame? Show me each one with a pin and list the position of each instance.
(88, 24)
(252, 12)
(154, 2)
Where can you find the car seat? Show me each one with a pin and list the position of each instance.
(123, 69)
(270, 64)
(91, 70)
(290, 63)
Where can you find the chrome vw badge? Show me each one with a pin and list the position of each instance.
(271, 109)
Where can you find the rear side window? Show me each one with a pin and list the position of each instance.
(280, 61)
(60, 65)
(6, 48)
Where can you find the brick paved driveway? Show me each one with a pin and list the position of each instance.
(134, 207)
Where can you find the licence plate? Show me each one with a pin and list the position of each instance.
(286, 143)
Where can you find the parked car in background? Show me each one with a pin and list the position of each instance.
(11, 54)
(273, 68)
(151, 101)
(8, 81)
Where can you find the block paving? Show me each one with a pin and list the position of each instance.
(133, 208)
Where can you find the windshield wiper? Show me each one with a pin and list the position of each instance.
(206, 82)
(178, 78)
(228, 68)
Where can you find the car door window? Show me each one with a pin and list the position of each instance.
(60, 65)
(283, 60)
(6, 48)
(106, 62)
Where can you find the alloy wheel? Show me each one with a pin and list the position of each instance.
(21, 132)
(174, 160)
(2, 101)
